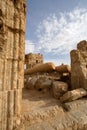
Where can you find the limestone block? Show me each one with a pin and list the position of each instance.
(17, 101)
(63, 69)
(73, 95)
(82, 46)
(23, 22)
(3, 110)
(46, 67)
(10, 13)
(43, 82)
(30, 83)
(9, 102)
(79, 66)
(59, 88)
(17, 19)
(20, 80)
(22, 47)
(10, 113)
(1, 73)
(12, 40)
(16, 46)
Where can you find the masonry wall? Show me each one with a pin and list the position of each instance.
(12, 42)
(33, 59)
(79, 66)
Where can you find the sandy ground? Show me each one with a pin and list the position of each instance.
(42, 112)
(34, 100)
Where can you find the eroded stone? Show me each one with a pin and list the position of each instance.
(73, 95)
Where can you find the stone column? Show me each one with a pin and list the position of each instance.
(79, 66)
(12, 41)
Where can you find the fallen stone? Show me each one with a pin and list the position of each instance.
(59, 88)
(43, 82)
(74, 105)
(46, 67)
(31, 82)
(63, 68)
(73, 95)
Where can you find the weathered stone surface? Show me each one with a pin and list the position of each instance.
(73, 95)
(33, 59)
(30, 83)
(63, 68)
(12, 42)
(43, 82)
(82, 46)
(79, 66)
(46, 67)
(59, 88)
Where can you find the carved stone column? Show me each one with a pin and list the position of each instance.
(12, 42)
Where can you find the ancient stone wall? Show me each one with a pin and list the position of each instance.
(33, 59)
(12, 42)
(79, 66)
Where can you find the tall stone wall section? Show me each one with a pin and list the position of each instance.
(79, 66)
(12, 42)
(33, 59)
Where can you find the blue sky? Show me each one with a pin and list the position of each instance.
(54, 27)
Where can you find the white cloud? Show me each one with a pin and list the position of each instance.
(60, 35)
(57, 61)
(29, 46)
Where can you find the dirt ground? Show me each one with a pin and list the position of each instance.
(42, 112)
(34, 100)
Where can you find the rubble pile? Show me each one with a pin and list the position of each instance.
(56, 97)
(61, 80)
(47, 77)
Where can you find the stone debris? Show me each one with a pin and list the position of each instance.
(43, 83)
(30, 83)
(46, 81)
(73, 95)
(59, 88)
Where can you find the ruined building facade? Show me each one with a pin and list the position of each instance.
(33, 59)
(79, 66)
(12, 42)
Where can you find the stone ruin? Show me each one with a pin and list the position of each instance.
(79, 66)
(12, 42)
(33, 59)
(57, 93)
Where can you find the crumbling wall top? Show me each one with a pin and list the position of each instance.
(82, 45)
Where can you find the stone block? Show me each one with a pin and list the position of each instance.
(43, 83)
(79, 66)
(59, 88)
(73, 95)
